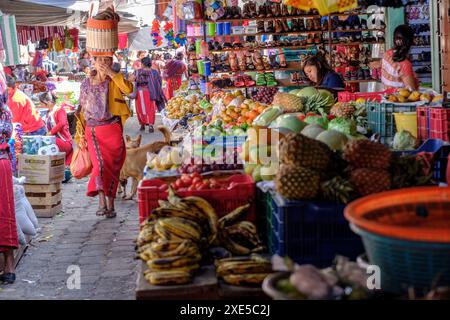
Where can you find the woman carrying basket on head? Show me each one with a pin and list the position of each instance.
(104, 112)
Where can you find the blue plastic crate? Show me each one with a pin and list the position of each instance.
(310, 231)
(380, 118)
(441, 151)
(407, 263)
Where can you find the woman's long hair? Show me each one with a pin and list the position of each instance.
(403, 40)
(320, 63)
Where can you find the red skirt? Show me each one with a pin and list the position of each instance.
(65, 146)
(172, 85)
(107, 152)
(8, 230)
(145, 108)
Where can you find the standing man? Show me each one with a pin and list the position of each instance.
(24, 111)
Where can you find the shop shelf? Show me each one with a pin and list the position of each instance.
(380, 118)
(223, 201)
(308, 231)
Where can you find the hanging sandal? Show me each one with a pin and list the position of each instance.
(270, 79)
(239, 82)
(266, 63)
(261, 79)
(257, 60)
(233, 61)
(248, 61)
(241, 61)
(273, 61)
(278, 26)
(270, 27)
(282, 59)
(249, 82)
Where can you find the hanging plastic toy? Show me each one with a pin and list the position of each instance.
(155, 32)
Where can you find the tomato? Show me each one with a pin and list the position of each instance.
(203, 186)
(191, 188)
(183, 189)
(187, 181)
(163, 187)
(174, 186)
(196, 180)
(198, 185)
(196, 175)
(179, 183)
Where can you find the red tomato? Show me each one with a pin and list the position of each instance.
(191, 188)
(196, 180)
(331, 117)
(174, 186)
(163, 187)
(187, 181)
(203, 186)
(183, 189)
(196, 175)
(179, 183)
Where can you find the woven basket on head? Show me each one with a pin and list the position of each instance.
(102, 37)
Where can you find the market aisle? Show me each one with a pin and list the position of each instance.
(102, 248)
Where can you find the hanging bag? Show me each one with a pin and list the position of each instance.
(81, 165)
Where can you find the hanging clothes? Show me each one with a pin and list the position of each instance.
(9, 39)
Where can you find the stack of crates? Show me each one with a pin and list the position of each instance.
(433, 123)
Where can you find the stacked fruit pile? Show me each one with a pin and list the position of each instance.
(175, 238)
(179, 106)
(194, 181)
(245, 112)
(248, 271)
(265, 94)
(407, 96)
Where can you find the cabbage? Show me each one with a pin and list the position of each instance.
(321, 121)
(404, 140)
(345, 126)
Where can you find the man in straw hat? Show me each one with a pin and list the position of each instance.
(104, 111)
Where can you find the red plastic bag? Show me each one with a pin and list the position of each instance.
(81, 165)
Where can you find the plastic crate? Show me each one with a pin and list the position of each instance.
(440, 151)
(309, 232)
(346, 96)
(439, 123)
(423, 123)
(223, 201)
(380, 118)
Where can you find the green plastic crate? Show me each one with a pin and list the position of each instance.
(380, 118)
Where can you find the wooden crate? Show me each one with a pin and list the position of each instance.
(45, 199)
(203, 287)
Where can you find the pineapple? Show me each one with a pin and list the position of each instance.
(367, 154)
(288, 102)
(368, 181)
(296, 183)
(337, 189)
(343, 110)
(297, 149)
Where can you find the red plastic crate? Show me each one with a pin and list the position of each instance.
(346, 96)
(423, 131)
(224, 201)
(439, 123)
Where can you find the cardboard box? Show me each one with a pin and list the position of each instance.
(42, 169)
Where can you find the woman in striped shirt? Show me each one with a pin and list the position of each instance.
(396, 68)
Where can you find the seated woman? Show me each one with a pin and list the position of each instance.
(57, 125)
(321, 75)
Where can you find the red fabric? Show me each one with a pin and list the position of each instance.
(107, 152)
(123, 41)
(145, 107)
(173, 84)
(448, 170)
(62, 124)
(65, 146)
(24, 111)
(8, 230)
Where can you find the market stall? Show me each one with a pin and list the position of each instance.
(266, 170)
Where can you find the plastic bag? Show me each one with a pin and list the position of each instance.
(81, 165)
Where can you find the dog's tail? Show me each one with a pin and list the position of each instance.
(166, 133)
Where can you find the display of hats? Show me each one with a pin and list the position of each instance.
(102, 38)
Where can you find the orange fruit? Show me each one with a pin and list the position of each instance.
(252, 114)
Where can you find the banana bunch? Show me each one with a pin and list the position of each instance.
(172, 239)
(238, 237)
(243, 271)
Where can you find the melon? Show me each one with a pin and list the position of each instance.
(334, 139)
(290, 122)
(312, 130)
(307, 92)
(328, 95)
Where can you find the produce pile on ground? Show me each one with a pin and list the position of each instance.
(174, 241)
(343, 280)
(179, 106)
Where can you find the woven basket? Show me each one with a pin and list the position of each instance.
(102, 37)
